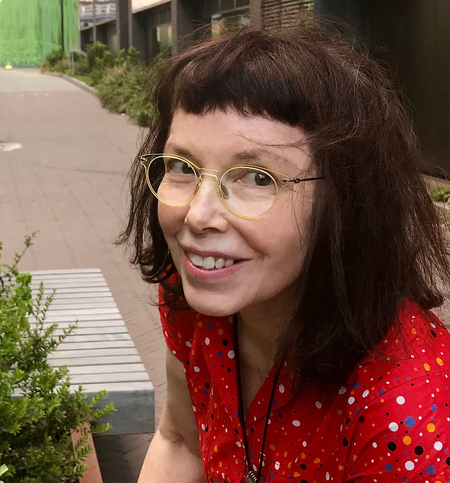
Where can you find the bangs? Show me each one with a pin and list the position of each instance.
(249, 73)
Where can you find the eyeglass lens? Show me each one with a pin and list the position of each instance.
(246, 191)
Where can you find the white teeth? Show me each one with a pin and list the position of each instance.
(209, 263)
(197, 260)
(220, 263)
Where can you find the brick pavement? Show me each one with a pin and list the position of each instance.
(69, 182)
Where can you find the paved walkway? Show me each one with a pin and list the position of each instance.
(69, 182)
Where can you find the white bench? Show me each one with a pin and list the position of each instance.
(100, 353)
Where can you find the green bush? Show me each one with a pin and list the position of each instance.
(38, 411)
(441, 193)
(55, 56)
(96, 52)
(122, 90)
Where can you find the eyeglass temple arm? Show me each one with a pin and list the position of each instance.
(298, 180)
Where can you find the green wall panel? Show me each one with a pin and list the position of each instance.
(30, 29)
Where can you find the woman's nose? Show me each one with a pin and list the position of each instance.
(206, 211)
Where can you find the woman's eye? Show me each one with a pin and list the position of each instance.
(257, 178)
(179, 167)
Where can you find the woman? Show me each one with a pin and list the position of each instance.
(298, 254)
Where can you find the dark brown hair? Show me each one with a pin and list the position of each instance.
(376, 240)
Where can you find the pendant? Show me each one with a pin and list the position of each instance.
(251, 478)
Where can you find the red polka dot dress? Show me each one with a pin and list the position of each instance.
(389, 423)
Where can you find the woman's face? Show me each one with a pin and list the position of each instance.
(270, 249)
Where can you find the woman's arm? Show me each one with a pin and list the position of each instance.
(174, 453)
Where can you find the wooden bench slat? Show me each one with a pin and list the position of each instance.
(97, 318)
(99, 327)
(78, 290)
(99, 338)
(112, 387)
(72, 313)
(59, 299)
(65, 270)
(108, 368)
(76, 354)
(68, 284)
(84, 306)
(122, 377)
(68, 346)
(67, 276)
(92, 361)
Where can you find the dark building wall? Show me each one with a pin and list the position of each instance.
(414, 37)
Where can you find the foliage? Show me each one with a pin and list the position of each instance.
(55, 56)
(3, 470)
(38, 409)
(122, 90)
(121, 81)
(441, 193)
(127, 57)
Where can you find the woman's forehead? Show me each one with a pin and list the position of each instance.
(237, 138)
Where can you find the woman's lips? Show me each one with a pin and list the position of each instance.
(210, 273)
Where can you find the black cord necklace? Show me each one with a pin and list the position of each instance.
(251, 477)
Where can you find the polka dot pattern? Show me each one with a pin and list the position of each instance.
(389, 423)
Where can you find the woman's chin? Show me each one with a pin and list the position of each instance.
(208, 306)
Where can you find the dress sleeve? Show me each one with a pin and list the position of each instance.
(178, 329)
(403, 436)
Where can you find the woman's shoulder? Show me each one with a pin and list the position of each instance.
(414, 351)
(396, 401)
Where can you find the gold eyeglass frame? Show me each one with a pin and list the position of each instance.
(214, 173)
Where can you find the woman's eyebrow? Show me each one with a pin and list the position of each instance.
(256, 154)
(171, 148)
(253, 155)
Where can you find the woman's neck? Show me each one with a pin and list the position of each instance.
(260, 328)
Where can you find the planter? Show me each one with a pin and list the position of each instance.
(92, 475)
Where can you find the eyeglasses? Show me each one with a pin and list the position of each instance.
(246, 191)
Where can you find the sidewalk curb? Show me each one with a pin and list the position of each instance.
(74, 81)
(80, 84)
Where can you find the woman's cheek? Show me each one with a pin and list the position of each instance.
(170, 219)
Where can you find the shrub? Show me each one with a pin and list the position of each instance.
(441, 193)
(81, 65)
(55, 56)
(96, 51)
(38, 411)
(122, 90)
